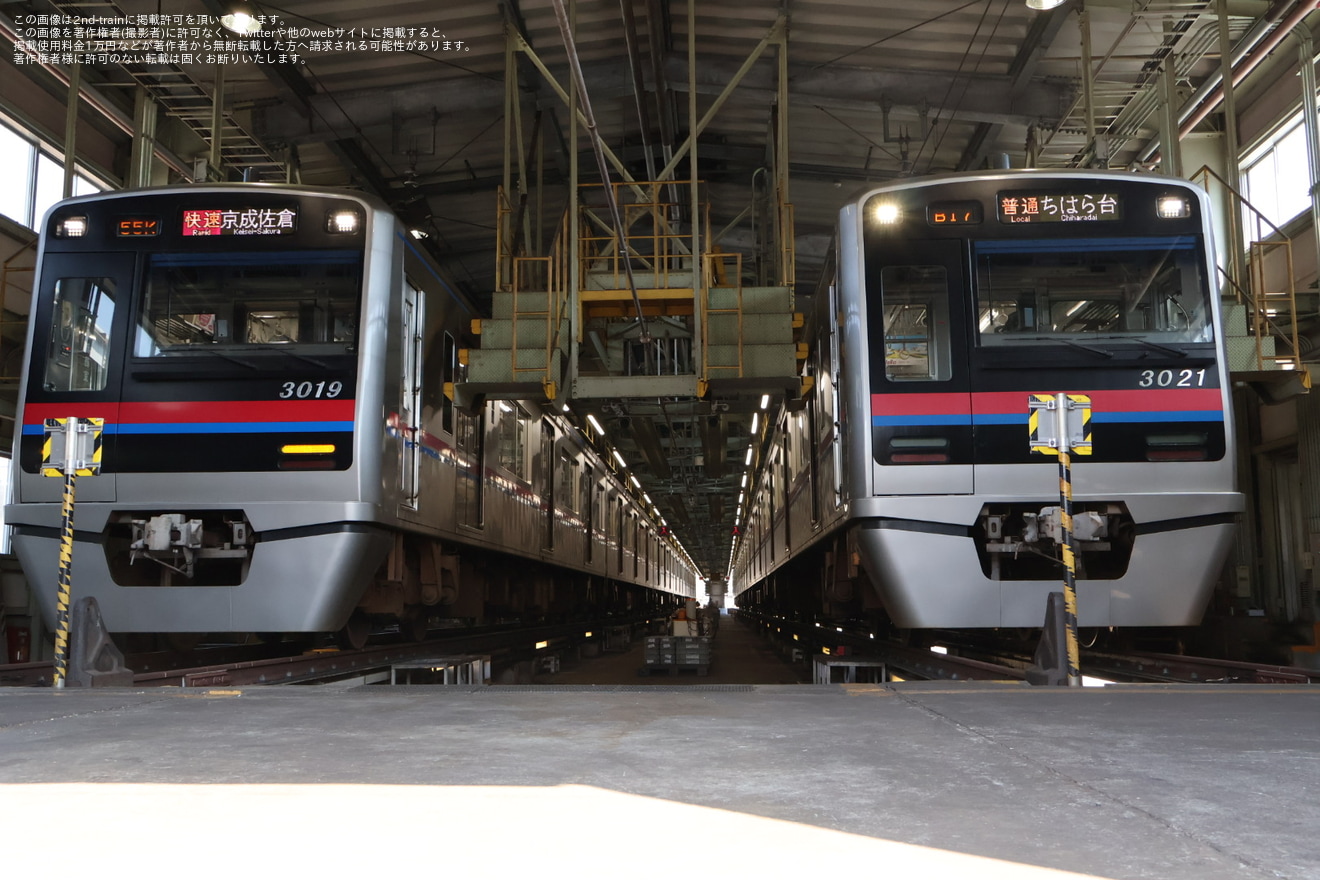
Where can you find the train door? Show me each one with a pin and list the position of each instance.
(834, 420)
(410, 392)
(785, 452)
(548, 461)
(921, 405)
(810, 442)
(588, 496)
(448, 377)
(619, 532)
(81, 316)
(601, 530)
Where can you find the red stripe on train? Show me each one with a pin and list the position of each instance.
(194, 411)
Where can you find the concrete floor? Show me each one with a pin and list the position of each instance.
(690, 780)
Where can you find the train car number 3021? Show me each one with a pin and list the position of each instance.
(1171, 379)
(312, 390)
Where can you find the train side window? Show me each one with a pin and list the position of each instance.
(915, 300)
(513, 440)
(471, 441)
(79, 353)
(565, 495)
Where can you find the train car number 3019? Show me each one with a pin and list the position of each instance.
(306, 390)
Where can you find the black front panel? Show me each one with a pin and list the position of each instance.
(1094, 286)
(232, 341)
(919, 378)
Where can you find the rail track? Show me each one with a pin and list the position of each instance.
(956, 656)
(234, 666)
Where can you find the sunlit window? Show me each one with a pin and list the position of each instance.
(50, 187)
(1275, 180)
(33, 179)
(16, 183)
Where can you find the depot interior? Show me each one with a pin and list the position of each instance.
(470, 138)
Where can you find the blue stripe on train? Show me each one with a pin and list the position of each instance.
(212, 428)
(1191, 415)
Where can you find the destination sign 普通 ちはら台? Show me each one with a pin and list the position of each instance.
(240, 221)
(1030, 207)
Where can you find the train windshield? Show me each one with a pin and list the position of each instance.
(306, 301)
(1094, 289)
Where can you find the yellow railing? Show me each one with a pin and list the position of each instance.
(1269, 313)
(523, 276)
(657, 251)
(1268, 307)
(667, 278)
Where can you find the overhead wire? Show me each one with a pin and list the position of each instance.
(906, 30)
(597, 146)
(361, 136)
(953, 82)
(861, 134)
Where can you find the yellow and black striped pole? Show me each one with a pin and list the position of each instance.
(66, 579)
(1066, 543)
(66, 553)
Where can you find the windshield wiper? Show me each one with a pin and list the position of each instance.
(212, 351)
(1176, 352)
(217, 352)
(304, 358)
(1092, 349)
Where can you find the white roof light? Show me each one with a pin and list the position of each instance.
(241, 21)
(343, 221)
(71, 227)
(1173, 207)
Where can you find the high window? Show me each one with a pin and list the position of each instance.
(33, 178)
(1275, 180)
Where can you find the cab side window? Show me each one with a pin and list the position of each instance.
(78, 354)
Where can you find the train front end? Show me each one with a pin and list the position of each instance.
(972, 297)
(223, 336)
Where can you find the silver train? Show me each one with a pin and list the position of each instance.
(274, 368)
(907, 487)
